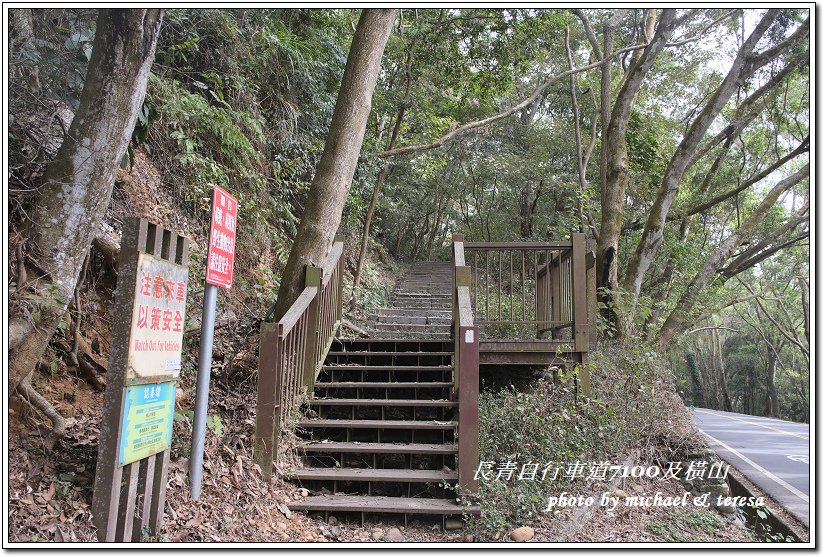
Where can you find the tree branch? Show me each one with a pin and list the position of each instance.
(718, 328)
(593, 41)
(804, 147)
(737, 268)
(461, 130)
(785, 334)
(703, 31)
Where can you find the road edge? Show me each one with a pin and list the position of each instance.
(780, 519)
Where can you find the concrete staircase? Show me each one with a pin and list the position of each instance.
(420, 304)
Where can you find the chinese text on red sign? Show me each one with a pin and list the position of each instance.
(220, 261)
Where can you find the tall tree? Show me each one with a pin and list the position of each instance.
(77, 185)
(746, 63)
(678, 317)
(614, 152)
(381, 178)
(327, 194)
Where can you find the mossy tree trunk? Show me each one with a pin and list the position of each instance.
(327, 194)
(77, 185)
(614, 159)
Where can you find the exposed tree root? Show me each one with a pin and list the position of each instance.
(81, 356)
(87, 363)
(109, 248)
(28, 393)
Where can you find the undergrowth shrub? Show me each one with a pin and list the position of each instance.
(633, 407)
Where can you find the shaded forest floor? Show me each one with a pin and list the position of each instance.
(50, 495)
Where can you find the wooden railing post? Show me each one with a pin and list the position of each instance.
(555, 303)
(468, 408)
(580, 308)
(592, 301)
(457, 253)
(270, 376)
(463, 279)
(314, 277)
(579, 293)
(457, 259)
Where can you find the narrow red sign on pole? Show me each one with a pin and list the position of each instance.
(221, 260)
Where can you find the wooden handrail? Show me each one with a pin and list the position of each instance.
(293, 349)
(296, 311)
(516, 245)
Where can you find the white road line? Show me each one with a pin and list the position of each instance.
(767, 473)
(800, 436)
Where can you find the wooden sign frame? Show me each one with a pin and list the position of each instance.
(129, 500)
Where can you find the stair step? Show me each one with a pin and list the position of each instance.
(431, 335)
(381, 504)
(421, 295)
(379, 448)
(419, 312)
(377, 424)
(388, 353)
(423, 327)
(385, 368)
(396, 340)
(383, 402)
(397, 319)
(383, 385)
(375, 475)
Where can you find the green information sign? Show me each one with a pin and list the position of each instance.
(147, 421)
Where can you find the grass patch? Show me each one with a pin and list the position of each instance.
(683, 526)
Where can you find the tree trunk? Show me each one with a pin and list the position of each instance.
(77, 185)
(23, 40)
(771, 396)
(721, 369)
(614, 162)
(695, 376)
(327, 194)
(744, 65)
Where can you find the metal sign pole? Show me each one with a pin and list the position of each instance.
(204, 372)
(220, 261)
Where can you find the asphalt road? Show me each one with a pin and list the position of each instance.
(772, 454)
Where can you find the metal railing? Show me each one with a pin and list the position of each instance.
(465, 367)
(292, 352)
(532, 289)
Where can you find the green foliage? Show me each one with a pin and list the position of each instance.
(765, 530)
(548, 424)
(214, 424)
(686, 526)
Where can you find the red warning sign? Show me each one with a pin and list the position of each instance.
(221, 259)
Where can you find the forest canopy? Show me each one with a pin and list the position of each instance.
(678, 139)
